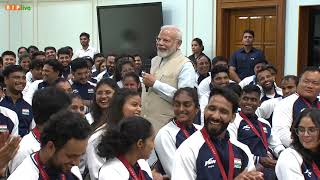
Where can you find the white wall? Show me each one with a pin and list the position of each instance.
(292, 30)
(58, 23)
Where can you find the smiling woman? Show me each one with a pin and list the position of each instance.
(169, 137)
(304, 156)
(124, 103)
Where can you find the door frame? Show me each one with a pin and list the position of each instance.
(303, 35)
(224, 8)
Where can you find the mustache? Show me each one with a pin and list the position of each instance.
(214, 132)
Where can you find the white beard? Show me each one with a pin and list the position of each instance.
(166, 53)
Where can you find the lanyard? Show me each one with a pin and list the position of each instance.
(308, 104)
(130, 169)
(43, 174)
(183, 129)
(315, 169)
(263, 136)
(216, 156)
(36, 133)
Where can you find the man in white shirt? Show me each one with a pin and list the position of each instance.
(170, 70)
(288, 85)
(86, 50)
(288, 110)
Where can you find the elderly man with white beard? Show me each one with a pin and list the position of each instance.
(170, 70)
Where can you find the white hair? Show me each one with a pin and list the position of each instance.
(174, 28)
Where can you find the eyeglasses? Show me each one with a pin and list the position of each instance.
(312, 131)
(166, 41)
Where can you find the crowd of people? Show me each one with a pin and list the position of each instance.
(87, 115)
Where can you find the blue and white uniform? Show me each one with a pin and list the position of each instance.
(240, 130)
(290, 165)
(168, 139)
(265, 110)
(285, 112)
(248, 80)
(85, 91)
(115, 169)
(28, 170)
(204, 86)
(194, 160)
(9, 120)
(277, 93)
(23, 110)
(102, 75)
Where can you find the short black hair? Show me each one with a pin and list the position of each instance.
(32, 47)
(249, 31)
(112, 54)
(64, 126)
(37, 53)
(251, 88)
(50, 48)
(8, 53)
(270, 66)
(124, 57)
(59, 80)
(217, 59)
(36, 64)
(218, 69)
(85, 34)
(48, 101)
(55, 64)
(11, 69)
(22, 47)
(78, 63)
(192, 92)
(228, 94)
(88, 59)
(258, 61)
(97, 55)
(293, 77)
(263, 68)
(235, 87)
(69, 48)
(63, 50)
(310, 69)
(119, 140)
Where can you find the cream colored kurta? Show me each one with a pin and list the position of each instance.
(156, 107)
